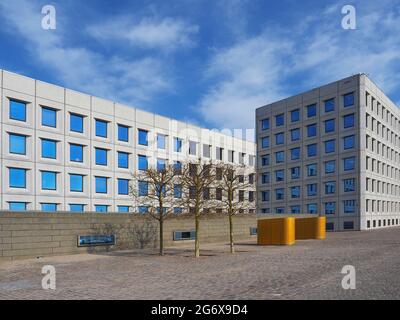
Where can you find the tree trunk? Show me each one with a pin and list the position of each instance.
(231, 233)
(197, 240)
(161, 235)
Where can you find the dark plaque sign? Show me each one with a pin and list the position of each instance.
(97, 240)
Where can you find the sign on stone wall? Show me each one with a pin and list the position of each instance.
(96, 240)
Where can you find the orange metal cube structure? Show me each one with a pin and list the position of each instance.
(310, 228)
(276, 231)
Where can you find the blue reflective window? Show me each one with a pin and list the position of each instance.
(142, 162)
(177, 191)
(101, 156)
(349, 206)
(76, 207)
(177, 166)
(279, 210)
(143, 209)
(279, 194)
(265, 160)
(330, 207)
(101, 208)
(101, 128)
(349, 163)
(330, 187)
(123, 209)
(123, 133)
(75, 152)
(17, 110)
(312, 150)
(177, 145)
(265, 178)
(312, 208)
(49, 180)
(161, 141)
(280, 120)
(161, 164)
(49, 207)
(17, 143)
(49, 149)
(76, 123)
(312, 130)
(330, 105)
(329, 146)
(312, 170)
(49, 117)
(295, 134)
(348, 121)
(101, 184)
(295, 115)
(265, 142)
(312, 189)
(295, 153)
(265, 196)
(123, 186)
(279, 156)
(311, 110)
(17, 178)
(76, 182)
(330, 125)
(143, 137)
(295, 172)
(295, 192)
(17, 206)
(295, 209)
(348, 142)
(123, 160)
(280, 138)
(279, 175)
(330, 166)
(265, 124)
(349, 185)
(348, 100)
(178, 210)
(143, 188)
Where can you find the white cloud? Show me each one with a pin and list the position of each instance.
(166, 34)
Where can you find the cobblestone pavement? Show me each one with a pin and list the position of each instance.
(308, 270)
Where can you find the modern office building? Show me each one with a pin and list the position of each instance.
(68, 151)
(333, 151)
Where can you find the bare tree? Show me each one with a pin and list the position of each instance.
(154, 189)
(197, 179)
(232, 184)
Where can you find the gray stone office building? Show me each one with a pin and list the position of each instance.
(333, 151)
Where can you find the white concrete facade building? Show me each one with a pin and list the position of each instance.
(60, 147)
(333, 151)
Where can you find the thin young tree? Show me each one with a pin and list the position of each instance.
(153, 188)
(197, 179)
(232, 185)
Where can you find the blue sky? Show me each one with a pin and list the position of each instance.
(208, 62)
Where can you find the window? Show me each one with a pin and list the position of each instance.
(49, 117)
(329, 105)
(101, 128)
(312, 150)
(312, 189)
(295, 209)
(265, 178)
(75, 152)
(100, 208)
(348, 100)
(161, 164)
(279, 194)
(349, 163)
(312, 208)
(76, 123)
(143, 137)
(123, 186)
(295, 153)
(265, 142)
(330, 207)
(101, 156)
(49, 180)
(230, 155)
(49, 207)
(17, 206)
(177, 145)
(264, 196)
(330, 166)
(295, 115)
(349, 206)
(17, 178)
(280, 120)
(295, 134)
(312, 130)
(17, 110)
(101, 184)
(49, 149)
(206, 150)
(76, 207)
(161, 138)
(349, 185)
(123, 209)
(265, 160)
(348, 142)
(295, 192)
(265, 124)
(329, 146)
(330, 226)
(123, 160)
(177, 191)
(143, 188)
(184, 235)
(192, 148)
(279, 175)
(348, 225)
(177, 167)
(330, 187)
(311, 110)
(348, 121)
(330, 125)
(312, 170)
(295, 172)
(76, 182)
(123, 133)
(279, 156)
(280, 138)
(143, 209)
(17, 143)
(279, 210)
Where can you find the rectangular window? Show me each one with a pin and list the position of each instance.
(280, 120)
(143, 209)
(76, 182)
(161, 164)
(348, 225)
(184, 235)
(101, 156)
(295, 115)
(265, 160)
(330, 208)
(349, 163)
(192, 148)
(312, 208)
(295, 172)
(348, 142)
(76, 207)
(295, 210)
(265, 178)
(123, 133)
(76, 123)
(142, 162)
(348, 100)
(348, 121)
(17, 143)
(17, 110)
(177, 191)
(178, 145)
(101, 184)
(265, 142)
(123, 160)
(17, 206)
(101, 128)
(143, 137)
(279, 194)
(330, 125)
(330, 166)
(349, 185)
(49, 180)
(49, 117)
(295, 134)
(49, 149)
(279, 138)
(75, 152)
(349, 206)
(177, 167)
(206, 150)
(161, 138)
(312, 190)
(330, 187)
(312, 170)
(279, 156)
(279, 175)
(230, 155)
(312, 150)
(329, 146)
(219, 153)
(123, 209)
(123, 186)
(17, 178)
(101, 208)
(311, 111)
(265, 124)
(143, 188)
(48, 207)
(265, 196)
(280, 210)
(295, 153)
(295, 192)
(312, 130)
(329, 105)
